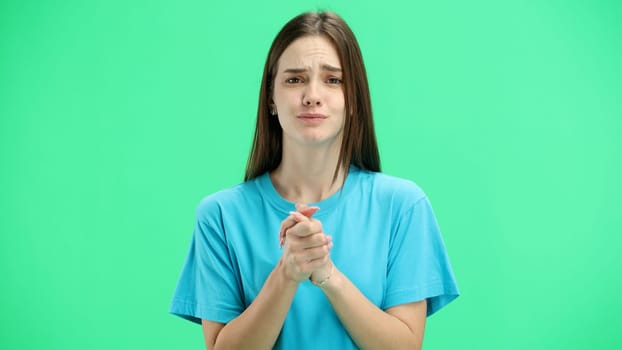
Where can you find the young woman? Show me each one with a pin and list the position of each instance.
(316, 249)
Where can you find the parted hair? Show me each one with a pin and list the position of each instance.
(359, 146)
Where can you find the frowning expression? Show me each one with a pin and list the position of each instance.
(308, 94)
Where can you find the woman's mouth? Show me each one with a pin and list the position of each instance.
(311, 118)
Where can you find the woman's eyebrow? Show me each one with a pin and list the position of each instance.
(330, 68)
(295, 70)
(326, 67)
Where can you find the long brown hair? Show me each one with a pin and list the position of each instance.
(359, 146)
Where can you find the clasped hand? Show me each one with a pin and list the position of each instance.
(306, 246)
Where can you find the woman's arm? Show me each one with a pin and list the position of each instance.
(399, 327)
(258, 327)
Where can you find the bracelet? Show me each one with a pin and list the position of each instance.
(323, 282)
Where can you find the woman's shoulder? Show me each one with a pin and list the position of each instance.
(390, 185)
(393, 195)
(229, 197)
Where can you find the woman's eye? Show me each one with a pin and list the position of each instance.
(293, 80)
(334, 80)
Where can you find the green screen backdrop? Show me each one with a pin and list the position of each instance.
(117, 117)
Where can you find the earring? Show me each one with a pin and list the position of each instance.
(272, 110)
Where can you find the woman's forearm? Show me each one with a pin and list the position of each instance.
(258, 327)
(369, 326)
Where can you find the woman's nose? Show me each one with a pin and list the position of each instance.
(311, 101)
(311, 96)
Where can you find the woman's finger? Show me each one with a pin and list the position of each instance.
(289, 222)
(286, 224)
(305, 227)
(292, 219)
(306, 210)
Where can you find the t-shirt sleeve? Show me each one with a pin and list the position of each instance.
(208, 287)
(418, 265)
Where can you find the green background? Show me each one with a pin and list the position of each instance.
(117, 117)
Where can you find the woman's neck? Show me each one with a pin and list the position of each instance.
(307, 175)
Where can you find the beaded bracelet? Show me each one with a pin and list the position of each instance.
(323, 282)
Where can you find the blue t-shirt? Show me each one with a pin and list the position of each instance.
(386, 241)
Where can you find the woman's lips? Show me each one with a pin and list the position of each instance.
(311, 118)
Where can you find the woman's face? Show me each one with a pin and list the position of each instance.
(308, 93)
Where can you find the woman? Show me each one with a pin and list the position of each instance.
(361, 272)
